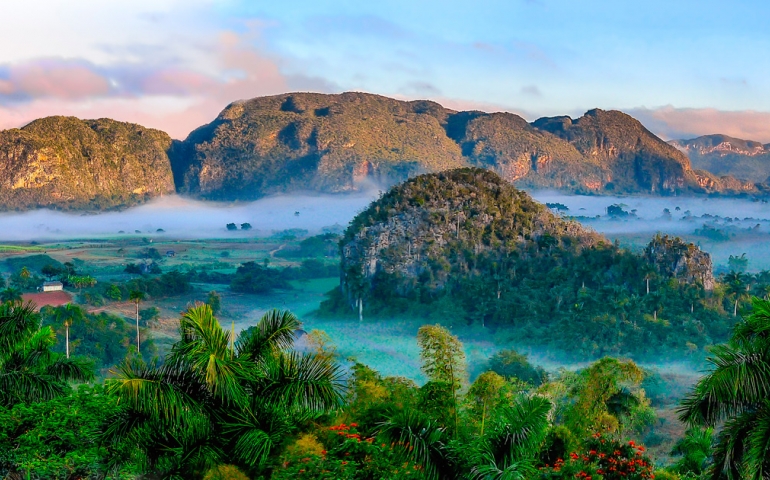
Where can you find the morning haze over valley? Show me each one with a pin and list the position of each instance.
(339, 240)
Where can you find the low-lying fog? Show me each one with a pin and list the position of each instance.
(181, 217)
(720, 226)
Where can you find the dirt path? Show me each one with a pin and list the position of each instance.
(273, 252)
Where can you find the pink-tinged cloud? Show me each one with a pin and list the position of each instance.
(682, 123)
(175, 81)
(254, 73)
(54, 78)
(174, 99)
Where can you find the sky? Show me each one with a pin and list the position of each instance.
(684, 68)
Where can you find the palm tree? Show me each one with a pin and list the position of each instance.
(208, 398)
(10, 294)
(508, 451)
(66, 315)
(737, 393)
(29, 370)
(136, 296)
(735, 285)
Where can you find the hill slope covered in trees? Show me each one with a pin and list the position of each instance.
(465, 246)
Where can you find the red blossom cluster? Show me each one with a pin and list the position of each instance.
(607, 457)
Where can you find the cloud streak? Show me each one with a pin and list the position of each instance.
(676, 123)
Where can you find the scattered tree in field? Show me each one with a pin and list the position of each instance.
(245, 226)
(214, 300)
(137, 296)
(148, 315)
(232, 226)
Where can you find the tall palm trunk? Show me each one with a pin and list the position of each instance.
(67, 335)
(137, 326)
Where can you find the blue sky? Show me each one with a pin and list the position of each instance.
(684, 68)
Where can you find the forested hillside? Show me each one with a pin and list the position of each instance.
(466, 247)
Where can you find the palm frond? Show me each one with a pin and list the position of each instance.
(17, 321)
(302, 381)
(757, 453)
(274, 331)
(150, 391)
(205, 347)
(489, 470)
(520, 430)
(739, 380)
(71, 369)
(728, 453)
(421, 440)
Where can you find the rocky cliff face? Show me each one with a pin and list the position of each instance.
(328, 143)
(333, 143)
(722, 155)
(675, 258)
(67, 163)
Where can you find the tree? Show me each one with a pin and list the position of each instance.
(214, 300)
(736, 393)
(736, 287)
(484, 391)
(58, 438)
(65, 315)
(694, 451)
(510, 363)
(211, 402)
(232, 226)
(113, 293)
(148, 315)
(245, 226)
(136, 296)
(443, 359)
(50, 271)
(29, 370)
(10, 294)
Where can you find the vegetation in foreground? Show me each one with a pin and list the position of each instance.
(254, 406)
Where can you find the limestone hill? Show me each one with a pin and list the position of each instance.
(67, 163)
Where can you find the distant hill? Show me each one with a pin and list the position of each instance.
(335, 143)
(305, 141)
(338, 143)
(466, 247)
(67, 163)
(723, 155)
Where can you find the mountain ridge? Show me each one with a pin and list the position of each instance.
(331, 143)
(725, 155)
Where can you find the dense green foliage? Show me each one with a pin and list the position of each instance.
(466, 247)
(58, 438)
(102, 337)
(217, 399)
(69, 163)
(735, 394)
(30, 371)
(226, 408)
